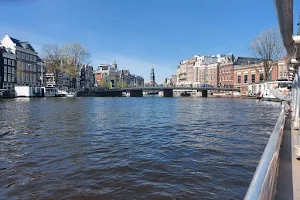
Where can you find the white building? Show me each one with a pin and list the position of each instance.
(107, 72)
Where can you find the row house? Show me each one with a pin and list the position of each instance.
(139, 81)
(226, 69)
(41, 71)
(182, 73)
(209, 74)
(199, 68)
(26, 61)
(7, 69)
(105, 74)
(190, 70)
(87, 77)
(174, 79)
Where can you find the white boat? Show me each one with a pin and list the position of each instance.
(71, 94)
(64, 93)
(50, 91)
(272, 90)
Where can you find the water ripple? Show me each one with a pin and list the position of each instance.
(131, 148)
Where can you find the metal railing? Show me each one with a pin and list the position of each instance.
(264, 180)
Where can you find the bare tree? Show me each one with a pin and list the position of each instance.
(74, 56)
(69, 58)
(52, 56)
(268, 47)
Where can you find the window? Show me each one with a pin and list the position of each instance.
(8, 78)
(12, 78)
(9, 61)
(27, 57)
(34, 58)
(253, 78)
(5, 61)
(239, 79)
(5, 69)
(245, 78)
(30, 78)
(13, 63)
(18, 55)
(261, 77)
(8, 70)
(13, 70)
(23, 55)
(5, 77)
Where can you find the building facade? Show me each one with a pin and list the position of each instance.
(41, 71)
(209, 74)
(87, 79)
(26, 61)
(282, 69)
(152, 78)
(226, 71)
(139, 81)
(106, 75)
(7, 69)
(174, 79)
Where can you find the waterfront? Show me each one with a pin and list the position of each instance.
(131, 148)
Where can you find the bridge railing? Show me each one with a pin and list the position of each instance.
(264, 180)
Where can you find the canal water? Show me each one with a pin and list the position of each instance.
(131, 148)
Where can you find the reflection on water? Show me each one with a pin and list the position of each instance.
(131, 148)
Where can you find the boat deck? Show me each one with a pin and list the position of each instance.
(288, 182)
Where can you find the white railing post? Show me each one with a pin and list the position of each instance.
(297, 101)
(294, 96)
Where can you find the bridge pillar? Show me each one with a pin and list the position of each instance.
(168, 92)
(136, 93)
(204, 93)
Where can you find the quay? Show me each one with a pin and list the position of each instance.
(277, 175)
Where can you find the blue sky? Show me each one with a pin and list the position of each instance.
(139, 34)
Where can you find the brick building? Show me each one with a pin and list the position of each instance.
(252, 73)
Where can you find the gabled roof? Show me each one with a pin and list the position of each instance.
(17, 42)
(28, 46)
(22, 44)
